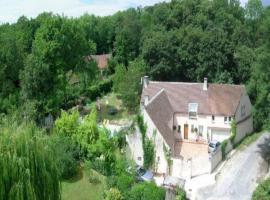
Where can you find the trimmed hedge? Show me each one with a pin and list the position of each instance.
(103, 87)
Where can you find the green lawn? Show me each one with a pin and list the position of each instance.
(82, 189)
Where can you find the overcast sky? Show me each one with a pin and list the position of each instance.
(11, 10)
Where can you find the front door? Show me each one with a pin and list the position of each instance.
(186, 131)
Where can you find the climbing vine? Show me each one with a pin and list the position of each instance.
(147, 144)
(167, 154)
(233, 131)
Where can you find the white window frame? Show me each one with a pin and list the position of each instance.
(193, 108)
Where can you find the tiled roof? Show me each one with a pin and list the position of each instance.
(160, 111)
(218, 99)
(102, 60)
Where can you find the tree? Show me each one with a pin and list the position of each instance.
(28, 168)
(259, 88)
(129, 86)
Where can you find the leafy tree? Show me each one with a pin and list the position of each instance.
(259, 88)
(129, 85)
(28, 168)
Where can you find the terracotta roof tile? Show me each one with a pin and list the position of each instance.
(102, 60)
(219, 99)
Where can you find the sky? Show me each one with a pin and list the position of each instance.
(11, 10)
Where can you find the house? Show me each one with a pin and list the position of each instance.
(101, 60)
(183, 117)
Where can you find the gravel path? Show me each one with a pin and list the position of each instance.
(239, 176)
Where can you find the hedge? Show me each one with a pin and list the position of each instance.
(103, 87)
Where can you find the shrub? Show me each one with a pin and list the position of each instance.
(180, 194)
(67, 155)
(262, 192)
(93, 177)
(148, 154)
(102, 87)
(223, 149)
(113, 194)
(146, 191)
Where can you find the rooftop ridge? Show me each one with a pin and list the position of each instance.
(155, 96)
(193, 83)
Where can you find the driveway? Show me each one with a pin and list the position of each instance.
(239, 176)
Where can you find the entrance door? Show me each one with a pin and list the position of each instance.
(186, 131)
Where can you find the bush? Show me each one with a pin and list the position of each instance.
(146, 191)
(148, 154)
(113, 194)
(93, 177)
(180, 194)
(223, 149)
(102, 87)
(262, 192)
(67, 155)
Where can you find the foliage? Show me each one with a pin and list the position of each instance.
(233, 131)
(113, 194)
(148, 154)
(67, 155)
(262, 191)
(223, 148)
(180, 194)
(103, 87)
(264, 149)
(259, 89)
(93, 142)
(27, 164)
(146, 191)
(167, 154)
(128, 84)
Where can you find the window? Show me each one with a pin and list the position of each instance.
(230, 119)
(179, 129)
(200, 130)
(192, 110)
(225, 120)
(213, 118)
(158, 158)
(139, 158)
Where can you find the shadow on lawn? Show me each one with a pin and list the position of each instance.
(78, 176)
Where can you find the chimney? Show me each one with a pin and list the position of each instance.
(146, 100)
(205, 84)
(145, 81)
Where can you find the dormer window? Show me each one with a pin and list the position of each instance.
(192, 110)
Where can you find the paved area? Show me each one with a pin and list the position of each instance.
(238, 177)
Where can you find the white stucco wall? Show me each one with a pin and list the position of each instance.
(135, 146)
(203, 120)
(243, 118)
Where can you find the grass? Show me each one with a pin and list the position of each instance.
(248, 140)
(81, 189)
(112, 101)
